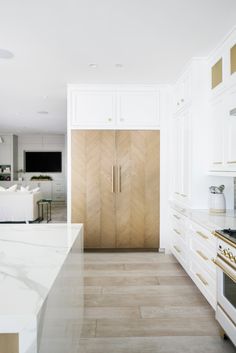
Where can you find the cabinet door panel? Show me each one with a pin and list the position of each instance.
(176, 158)
(185, 155)
(137, 203)
(93, 202)
(230, 132)
(93, 108)
(139, 108)
(217, 114)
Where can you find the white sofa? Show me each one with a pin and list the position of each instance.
(19, 206)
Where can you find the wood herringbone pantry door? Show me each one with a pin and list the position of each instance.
(115, 187)
(137, 198)
(93, 199)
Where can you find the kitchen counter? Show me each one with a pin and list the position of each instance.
(40, 281)
(209, 220)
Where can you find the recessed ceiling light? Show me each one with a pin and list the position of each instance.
(6, 54)
(42, 112)
(93, 65)
(119, 66)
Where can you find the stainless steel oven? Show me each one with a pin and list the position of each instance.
(226, 288)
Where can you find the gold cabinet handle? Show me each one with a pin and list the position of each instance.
(217, 162)
(176, 231)
(231, 162)
(204, 257)
(177, 217)
(202, 279)
(177, 193)
(113, 187)
(119, 178)
(177, 249)
(202, 235)
(183, 195)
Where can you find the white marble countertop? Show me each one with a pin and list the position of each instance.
(209, 220)
(31, 257)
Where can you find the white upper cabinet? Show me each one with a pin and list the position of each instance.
(138, 108)
(182, 91)
(223, 131)
(222, 66)
(91, 108)
(216, 132)
(181, 157)
(113, 107)
(230, 132)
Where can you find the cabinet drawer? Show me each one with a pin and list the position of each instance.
(179, 250)
(205, 283)
(203, 235)
(59, 197)
(58, 189)
(203, 256)
(177, 223)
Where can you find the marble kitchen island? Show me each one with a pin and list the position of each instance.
(41, 288)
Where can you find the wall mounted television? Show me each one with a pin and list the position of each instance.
(43, 162)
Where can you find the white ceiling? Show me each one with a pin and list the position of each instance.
(54, 41)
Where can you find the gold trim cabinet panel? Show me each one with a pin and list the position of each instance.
(9, 343)
(233, 59)
(115, 187)
(216, 74)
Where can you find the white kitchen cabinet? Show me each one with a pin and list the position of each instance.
(222, 66)
(181, 157)
(178, 237)
(58, 190)
(182, 91)
(222, 131)
(138, 108)
(230, 132)
(194, 247)
(92, 108)
(202, 249)
(113, 107)
(216, 134)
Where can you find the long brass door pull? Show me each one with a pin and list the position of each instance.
(113, 185)
(119, 178)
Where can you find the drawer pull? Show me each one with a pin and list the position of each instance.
(231, 162)
(183, 195)
(204, 257)
(217, 162)
(202, 279)
(202, 235)
(177, 217)
(176, 231)
(177, 249)
(177, 193)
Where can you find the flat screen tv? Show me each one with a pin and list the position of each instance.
(44, 162)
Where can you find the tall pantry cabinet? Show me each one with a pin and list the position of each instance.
(115, 165)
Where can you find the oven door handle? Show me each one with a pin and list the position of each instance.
(225, 270)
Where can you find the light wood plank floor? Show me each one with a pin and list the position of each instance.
(145, 303)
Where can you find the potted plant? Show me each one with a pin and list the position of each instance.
(41, 177)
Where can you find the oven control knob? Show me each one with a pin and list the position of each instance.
(235, 259)
(231, 256)
(226, 253)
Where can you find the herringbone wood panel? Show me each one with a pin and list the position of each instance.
(93, 203)
(126, 219)
(137, 206)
